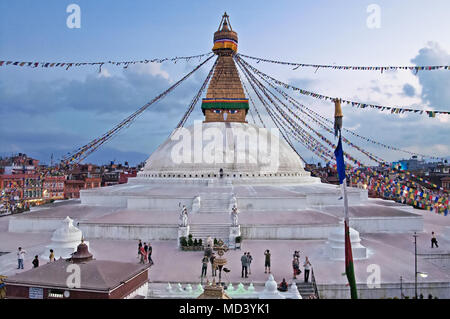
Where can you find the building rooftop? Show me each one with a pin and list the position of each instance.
(98, 275)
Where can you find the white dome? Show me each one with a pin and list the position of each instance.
(67, 232)
(271, 285)
(237, 148)
(336, 244)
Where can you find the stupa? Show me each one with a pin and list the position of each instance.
(218, 163)
(65, 240)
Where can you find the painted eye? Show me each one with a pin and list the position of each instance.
(217, 111)
(233, 111)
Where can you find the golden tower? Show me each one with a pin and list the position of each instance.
(225, 99)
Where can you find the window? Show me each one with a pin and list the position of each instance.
(56, 293)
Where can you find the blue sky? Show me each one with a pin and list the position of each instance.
(55, 111)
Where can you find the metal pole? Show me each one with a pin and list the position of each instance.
(401, 287)
(415, 264)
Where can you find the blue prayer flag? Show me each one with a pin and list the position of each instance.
(339, 153)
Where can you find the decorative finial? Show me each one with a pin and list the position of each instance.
(338, 115)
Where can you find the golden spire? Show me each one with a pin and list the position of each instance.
(225, 99)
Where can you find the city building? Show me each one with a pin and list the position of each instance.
(53, 187)
(72, 188)
(99, 279)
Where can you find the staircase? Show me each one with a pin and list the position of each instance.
(203, 231)
(306, 289)
(214, 203)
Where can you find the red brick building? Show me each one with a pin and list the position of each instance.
(72, 188)
(445, 181)
(123, 178)
(53, 187)
(92, 182)
(98, 279)
(22, 187)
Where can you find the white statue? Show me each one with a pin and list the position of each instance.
(234, 216)
(209, 242)
(184, 217)
(233, 201)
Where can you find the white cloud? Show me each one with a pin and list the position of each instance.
(104, 73)
(150, 69)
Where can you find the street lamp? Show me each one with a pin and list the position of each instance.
(401, 287)
(421, 274)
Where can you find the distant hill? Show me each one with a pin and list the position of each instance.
(101, 156)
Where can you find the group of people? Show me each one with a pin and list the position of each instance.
(145, 253)
(246, 261)
(283, 286)
(296, 265)
(208, 258)
(21, 256)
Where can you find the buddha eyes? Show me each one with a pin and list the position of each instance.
(229, 111)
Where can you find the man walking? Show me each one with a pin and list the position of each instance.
(149, 252)
(267, 261)
(244, 262)
(434, 240)
(205, 261)
(139, 248)
(20, 256)
(307, 267)
(249, 258)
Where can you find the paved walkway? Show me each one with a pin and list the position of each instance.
(394, 253)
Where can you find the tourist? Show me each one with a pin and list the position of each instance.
(139, 248)
(296, 267)
(35, 261)
(142, 254)
(283, 286)
(213, 269)
(244, 262)
(205, 261)
(149, 252)
(20, 257)
(146, 252)
(307, 267)
(52, 256)
(434, 240)
(267, 261)
(249, 258)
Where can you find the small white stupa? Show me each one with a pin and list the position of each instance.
(270, 290)
(293, 291)
(65, 241)
(335, 249)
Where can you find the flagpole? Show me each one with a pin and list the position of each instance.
(340, 164)
(344, 191)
